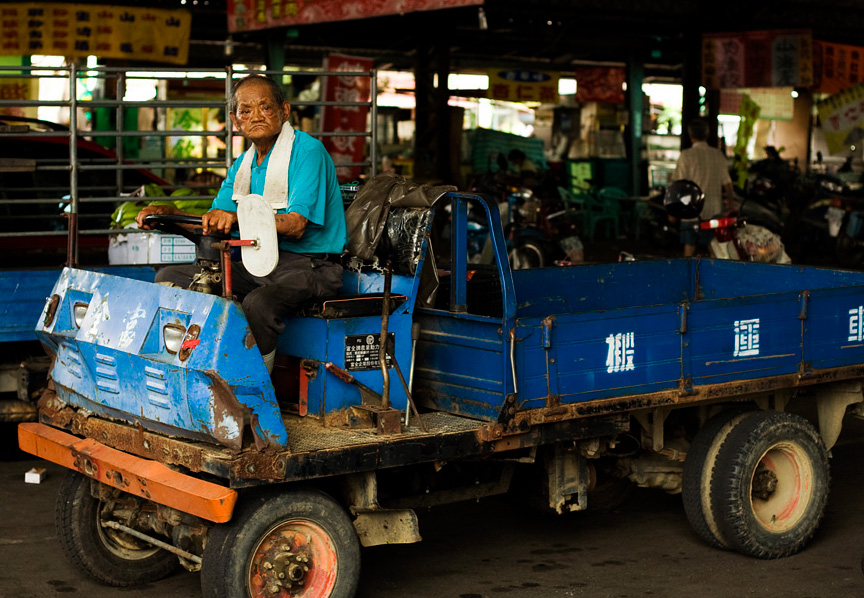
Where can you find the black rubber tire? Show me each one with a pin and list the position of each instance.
(527, 254)
(696, 478)
(782, 457)
(228, 561)
(108, 556)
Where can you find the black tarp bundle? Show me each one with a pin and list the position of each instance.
(366, 217)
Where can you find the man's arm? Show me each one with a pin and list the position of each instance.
(728, 196)
(291, 225)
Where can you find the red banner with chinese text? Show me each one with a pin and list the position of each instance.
(757, 59)
(249, 15)
(837, 66)
(349, 119)
(600, 85)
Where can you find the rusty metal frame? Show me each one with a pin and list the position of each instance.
(682, 397)
(141, 477)
(251, 467)
(529, 428)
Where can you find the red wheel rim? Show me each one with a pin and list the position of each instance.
(296, 558)
(783, 503)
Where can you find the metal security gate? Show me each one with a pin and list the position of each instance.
(59, 184)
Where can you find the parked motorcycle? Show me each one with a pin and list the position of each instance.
(525, 232)
(734, 238)
(826, 225)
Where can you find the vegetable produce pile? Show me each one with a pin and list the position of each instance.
(124, 215)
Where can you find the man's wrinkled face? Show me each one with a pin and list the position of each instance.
(258, 116)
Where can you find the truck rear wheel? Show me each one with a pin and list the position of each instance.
(299, 544)
(769, 485)
(698, 467)
(109, 556)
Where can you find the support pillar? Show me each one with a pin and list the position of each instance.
(276, 51)
(432, 113)
(635, 75)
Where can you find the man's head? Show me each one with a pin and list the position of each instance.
(698, 129)
(516, 156)
(258, 108)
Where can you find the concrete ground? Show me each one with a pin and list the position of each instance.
(494, 548)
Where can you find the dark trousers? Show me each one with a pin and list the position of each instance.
(266, 300)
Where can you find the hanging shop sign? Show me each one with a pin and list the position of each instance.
(600, 85)
(81, 30)
(837, 66)
(842, 118)
(523, 86)
(19, 89)
(757, 59)
(336, 119)
(775, 103)
(249, 15)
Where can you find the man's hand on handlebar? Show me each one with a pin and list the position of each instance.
(219, 221)
(147, 210)
(213, 222)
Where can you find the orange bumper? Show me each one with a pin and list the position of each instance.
(141, 477)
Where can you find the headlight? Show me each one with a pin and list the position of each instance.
(173, 335)
(79, 310)
(51, 310)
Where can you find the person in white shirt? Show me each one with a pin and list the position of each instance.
(707, 167)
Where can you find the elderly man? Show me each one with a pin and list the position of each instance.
(293, 171)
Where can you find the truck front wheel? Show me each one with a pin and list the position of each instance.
(769, 484)
(299, 544)
(109, 556)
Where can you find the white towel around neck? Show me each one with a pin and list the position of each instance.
(276, 179)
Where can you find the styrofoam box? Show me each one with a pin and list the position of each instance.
(150, 247)
(35, 475)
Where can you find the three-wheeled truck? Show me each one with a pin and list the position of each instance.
(425, 383)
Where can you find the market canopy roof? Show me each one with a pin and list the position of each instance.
(551, 35)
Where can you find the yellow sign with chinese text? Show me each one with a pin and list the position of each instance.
(81, 30)
(842, 118)
(19, 89)
(523, 86)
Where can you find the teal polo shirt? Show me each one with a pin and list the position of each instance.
(313, 192)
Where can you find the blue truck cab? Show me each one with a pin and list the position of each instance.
(431, 379)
